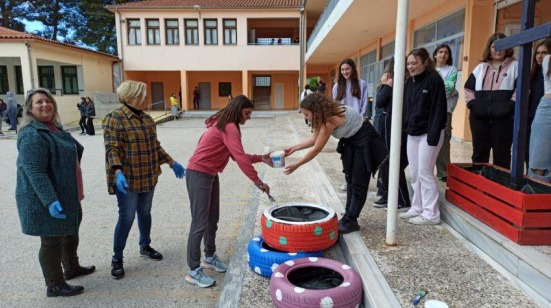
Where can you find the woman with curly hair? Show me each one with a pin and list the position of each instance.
(362, 149)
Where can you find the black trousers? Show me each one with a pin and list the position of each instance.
(492, 135)
(82, 124)
(55, 251)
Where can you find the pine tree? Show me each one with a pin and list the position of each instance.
(11, 13)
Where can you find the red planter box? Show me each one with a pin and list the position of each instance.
(524, 218)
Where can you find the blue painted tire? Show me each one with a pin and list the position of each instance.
(263, 259)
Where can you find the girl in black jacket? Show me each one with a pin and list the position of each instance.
(426, 114)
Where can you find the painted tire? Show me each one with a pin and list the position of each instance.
(285, 294)
(291, 236)
(264, 259)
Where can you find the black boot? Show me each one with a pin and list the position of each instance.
(64, 289)
(79, 271)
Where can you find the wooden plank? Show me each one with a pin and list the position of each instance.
(536, 219)
(524, 37)
(535, 237)
(537, 202)
(481, 214)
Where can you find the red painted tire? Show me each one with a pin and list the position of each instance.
(294, 236)
(346, 292)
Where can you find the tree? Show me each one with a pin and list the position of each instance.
(11, 13)
(56, 16)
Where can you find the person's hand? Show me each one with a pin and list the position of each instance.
(120, 182)
(387, 79)
(267, 159)
(179, 170)
(290, 168)
(55, 210)
(264, 187)
(288, 151)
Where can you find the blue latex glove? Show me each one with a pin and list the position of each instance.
(179, 170)
(55, 210)
(120, 182)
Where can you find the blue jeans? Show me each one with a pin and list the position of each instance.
(129, 205)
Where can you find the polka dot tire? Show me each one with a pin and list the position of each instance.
(294, 236)
(285, 294)
(263, 259)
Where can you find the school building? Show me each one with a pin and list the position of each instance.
(29, 61)
(249, 47)
(364, 30)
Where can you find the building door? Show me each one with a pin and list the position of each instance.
(204, 95)
(157, 99)
(279, 96)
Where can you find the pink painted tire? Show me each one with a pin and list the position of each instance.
(287, 292)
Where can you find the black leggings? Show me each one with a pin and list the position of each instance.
(82, 123)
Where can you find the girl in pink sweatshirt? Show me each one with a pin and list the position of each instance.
(221, 141)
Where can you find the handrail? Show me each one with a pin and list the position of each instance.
(150, 108)
(322, 19)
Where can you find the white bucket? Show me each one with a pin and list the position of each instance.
(278, 159)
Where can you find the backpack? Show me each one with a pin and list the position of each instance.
(3, 106)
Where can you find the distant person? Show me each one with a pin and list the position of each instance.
(133, 159)
(425, 109)
(49, 192)
(272, 42)
(540, 140)
(81, 106)
(362, 149)
(306, 92)
(536, 88)
(221, 141)
(174, 108)
(3, 108)
(196, 98)
(230, 97)
(321, 86)
(490, 97)
(351, 91)
(90, 115)
(443, 61)
(12, 110)
(279, 41)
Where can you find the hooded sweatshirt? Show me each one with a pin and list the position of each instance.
(215, 148)
(490, 93)
(12, 102)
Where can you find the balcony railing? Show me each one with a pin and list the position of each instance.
(322, 19)
(274, 41)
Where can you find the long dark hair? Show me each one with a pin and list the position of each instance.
(355, 86)
(232, 113)
(487, 54)
(322, 108)
(389, 70)
(450, 59)
(423, 54)
(535, 65)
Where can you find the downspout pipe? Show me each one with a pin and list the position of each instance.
(302, 50)
(29, 50)
(120, 52)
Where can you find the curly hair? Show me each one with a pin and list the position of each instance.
(231, 113)
(322, 108)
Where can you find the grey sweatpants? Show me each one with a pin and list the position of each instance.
(204, 199)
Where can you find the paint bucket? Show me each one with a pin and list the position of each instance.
(278, 159)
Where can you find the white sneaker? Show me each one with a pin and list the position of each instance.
(419, 220)
(408, 215)
(344, 186)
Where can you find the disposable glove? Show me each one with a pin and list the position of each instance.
(120, 182)
(179, 170)
(55, 210)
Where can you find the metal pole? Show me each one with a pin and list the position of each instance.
(396, 127)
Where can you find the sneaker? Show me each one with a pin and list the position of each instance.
(215, 263)
(199, 278)
(147, 251)
(444, 179)
(401, 208)
(382, 201)
(1, 134)
(346, 226)
(344, 186)
(117, 270)
(408, 215)
(419, 220)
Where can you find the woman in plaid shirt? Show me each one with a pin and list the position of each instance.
(133, 159)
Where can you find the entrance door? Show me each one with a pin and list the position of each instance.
(279, 96)
(157, 99)
(204, 95)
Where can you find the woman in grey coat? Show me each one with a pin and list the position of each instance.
(12, 110)
(49, 191)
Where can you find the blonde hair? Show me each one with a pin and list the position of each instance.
(28, 116)
(132, 92)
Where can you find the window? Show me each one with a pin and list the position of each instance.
(262, 81)
(153, 32)
(4, 86)
(46, 78)
(18, 80)
(224, 88)
(192, 31)
(70, 79)
(134, 32)
(172, 32)
(368, 63)
(211, 32)
(230, 31)
(387, 50)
